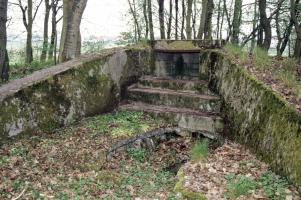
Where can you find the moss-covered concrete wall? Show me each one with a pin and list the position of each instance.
(54, 97)
(257, 116)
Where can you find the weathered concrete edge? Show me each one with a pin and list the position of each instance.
(184, 192)
(257, 116)
(54, 97)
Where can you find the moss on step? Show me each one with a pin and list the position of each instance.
(184, 192)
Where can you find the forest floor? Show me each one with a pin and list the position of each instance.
(281, 74)
(71, 164)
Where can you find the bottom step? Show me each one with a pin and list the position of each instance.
(189, 119)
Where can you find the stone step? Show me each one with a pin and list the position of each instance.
(207, 123)
(179, 99)
(196, 86)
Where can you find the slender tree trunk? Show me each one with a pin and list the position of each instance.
(170, 19)
(203, 19)
(161, 18)
(295, 4)
(29, 52)
(183, 20)
(266, 26)
(188, 20)
(150, 18)
(255, 17)
(145, 18)
(286, 37)
(71, 38)
(4, 62)
(136, 22)
(218, 20)
(177, 19)
(52, 54)
(53, 30)
(222, 23)
(45, 35)
(229, 31)
(236, 21)
(194, 15)
(208, 23)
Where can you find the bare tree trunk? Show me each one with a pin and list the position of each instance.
(266, 26)
(29, 52)
(236, 21)
(134, 14)
(161, 18)
(203, 19)
(208, 23)
(70, 38)
(45, 35)
(255, 17)
(229, 32)
(286, 37)
(194, 15)
(28, 17)
(218, 24)
(52, 48)
(188, 19)
(221, 27)
(150, 20)
(145, 18)
(169, 19)
(177, 19)
(183, 20)
(53, 31)
(295, 4)
(4, 62)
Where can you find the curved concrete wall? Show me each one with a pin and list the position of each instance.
(54, 97)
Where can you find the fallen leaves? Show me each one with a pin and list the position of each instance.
(210, 177)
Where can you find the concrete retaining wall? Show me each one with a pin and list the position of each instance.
(54, 97)
(256, 115)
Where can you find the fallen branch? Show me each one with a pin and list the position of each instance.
(21, 194)
(148, 135)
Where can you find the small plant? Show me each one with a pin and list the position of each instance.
(239, 186)
(273, 185)
(20, 151)
(137, 154)
(262, 61)
(4, 160)
(200, 150)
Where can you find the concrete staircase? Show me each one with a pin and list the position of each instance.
(188, 104)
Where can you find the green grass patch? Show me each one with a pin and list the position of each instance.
(137, 154)
(123, 123)
(200, 150)
(274, 186)
(236, 52)
(239, 186)
(262, 60)
(20, 69)
(289, 64)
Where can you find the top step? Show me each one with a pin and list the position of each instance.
(196, 86)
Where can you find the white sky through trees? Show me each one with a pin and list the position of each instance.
(102, 18)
